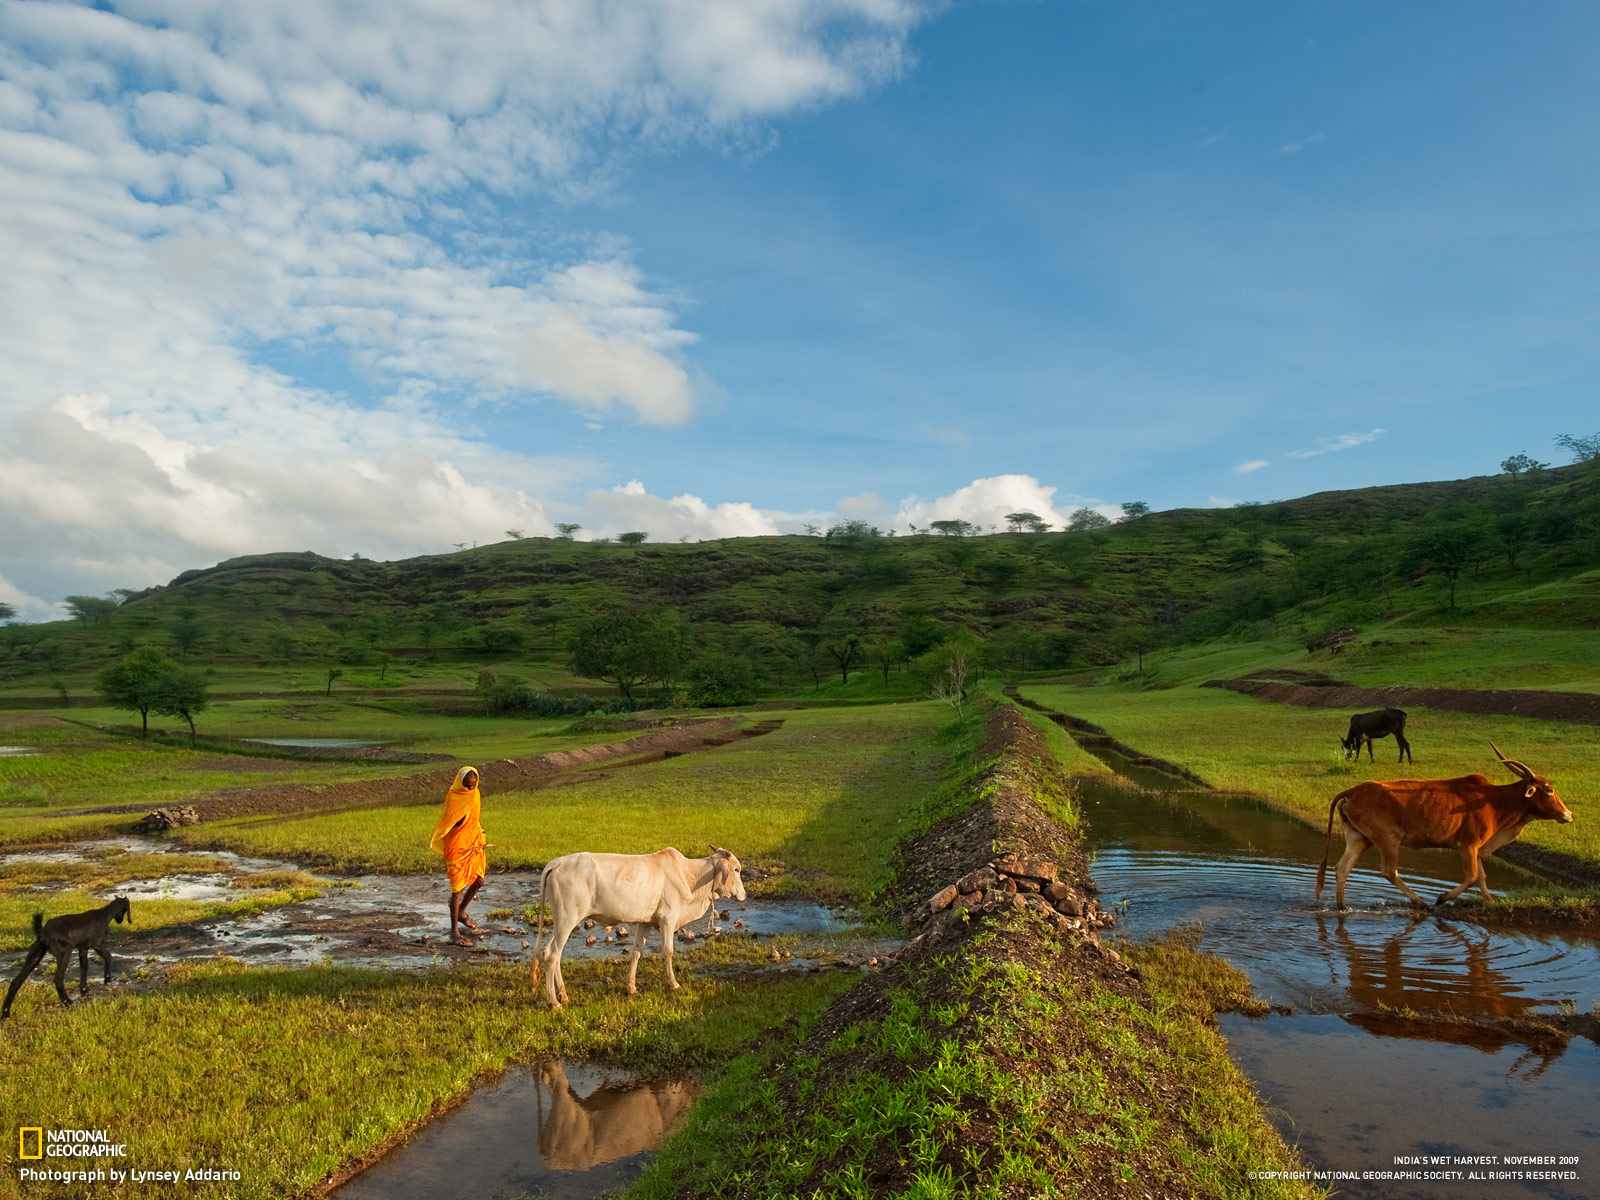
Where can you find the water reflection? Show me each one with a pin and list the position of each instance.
(554, 1130)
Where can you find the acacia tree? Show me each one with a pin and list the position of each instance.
(633, 537)
(1087, 518)
(1582, 449)
(1447, 549)
(1132, 510)
(183, 693)
(566, 529)
(1026, 521)
(91, 610)
(1521, 464)
(8, 612)
(954, 528)
(626, 649)
(841, 638)
(137, 682)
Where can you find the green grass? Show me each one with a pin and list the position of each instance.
(823, 794)
(1291, 758)
(983, 1074)
(342, 1059)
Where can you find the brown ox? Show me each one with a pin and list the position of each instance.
(1469, 815)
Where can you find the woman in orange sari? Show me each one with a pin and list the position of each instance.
(459, 837)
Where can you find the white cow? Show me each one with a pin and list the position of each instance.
(663, 889)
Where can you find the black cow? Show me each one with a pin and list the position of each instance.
(1366, 726)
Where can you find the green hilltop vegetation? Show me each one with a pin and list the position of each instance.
(852, 612)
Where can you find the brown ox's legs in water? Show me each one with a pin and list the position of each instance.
(458, 911)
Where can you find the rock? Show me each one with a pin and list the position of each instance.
(1026, 885)
(622, 931)
(609, 939)
(977, 881)
(590, 940)
(158, 820)
(1009, 886)
(1037, 904)
(1029, 868)
(1069, 906)
(686, 934)
(589, 924)
(775, 956)
(1110, 954)
(872, 962)
(723, 914)
(1056, 891)
(739, 924)
(942, 899)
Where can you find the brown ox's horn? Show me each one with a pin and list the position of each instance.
(1517, 768)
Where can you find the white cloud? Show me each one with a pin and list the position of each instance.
(28, 606)
(1223, 501)
(193, 193)
(950, 439)
(1295, 147)
(629, 506)
(986, 502)
(863, 504)
(1254, 464)
(1211, 139)
(1345, 441)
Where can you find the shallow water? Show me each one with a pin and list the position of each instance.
(1354, 1083)
(552, 1130)
(17, 752)
(316, 743)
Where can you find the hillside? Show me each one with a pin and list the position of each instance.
(1510, 552)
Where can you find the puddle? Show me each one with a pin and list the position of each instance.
(180, 887)
(552, 1130)
(18, 752)
(1348, 1080)
(315, 743)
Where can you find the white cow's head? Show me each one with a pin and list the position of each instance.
(725, 879)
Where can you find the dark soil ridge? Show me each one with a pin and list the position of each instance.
(1092, 737)
(1579, 708)
(683, 736)
(1001, 821)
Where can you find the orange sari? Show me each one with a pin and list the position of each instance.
(458, 835)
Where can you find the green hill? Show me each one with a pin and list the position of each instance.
(1492, 552)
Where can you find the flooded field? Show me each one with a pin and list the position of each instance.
(398, 920)
(554, 1130)
(1353, 1078)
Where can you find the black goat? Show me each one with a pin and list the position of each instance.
(1366, 726)
(60, 936)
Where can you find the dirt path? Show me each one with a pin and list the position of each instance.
(1580, 708)
(506, 774)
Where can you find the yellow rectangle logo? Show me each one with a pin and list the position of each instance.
(38, 1142)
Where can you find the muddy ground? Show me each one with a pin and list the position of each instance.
(1581, 708)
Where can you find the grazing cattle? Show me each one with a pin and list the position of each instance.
(663, 889)
(1366, 726)
(1469, 815)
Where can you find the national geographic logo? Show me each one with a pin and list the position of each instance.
(36, 1142)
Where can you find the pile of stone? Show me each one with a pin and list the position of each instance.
(1012, 883)
(159, 820)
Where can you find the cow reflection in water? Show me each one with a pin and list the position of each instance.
(1449, 992)
(615, 1121)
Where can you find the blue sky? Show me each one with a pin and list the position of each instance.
(381, 281)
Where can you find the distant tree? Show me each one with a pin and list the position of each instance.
(1025, 521)
(7, 612)
(91, 610)
(1515, 532)
(1582, 449)
(1446, 548)
(385, 660)
(719, 680)
(842, 640)
(633, 537)
(516, 535)
(609, 645)
(950, 685)
(566, 529)
(853, 531)
(187, 632)
(1000, 572)
(333, 673)
(811, 530)
(280, 646)
(122, 595)
(355, 556)
(1132, 510)
(501, 639)
(1087, 518)
(61, 690)
(1521, 464)
(183, 693)
(884, 650)
(136, 682)
(954, 528)
(1140, 640)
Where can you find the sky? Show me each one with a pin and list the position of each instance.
(382, 278)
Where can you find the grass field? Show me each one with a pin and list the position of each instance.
(823, 794)
(1291, 756)
(341, 1059)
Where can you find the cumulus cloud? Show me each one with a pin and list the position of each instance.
(629, 506)
(985, 502)
(1223, 501)
(1344, 441)
(861, 505)
(1300, 144)
(1253, 464)
(194, 194)
(28, 607)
